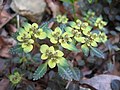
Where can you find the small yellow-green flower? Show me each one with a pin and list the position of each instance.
(90, 42)
(103, 37)
(25, 39)
(86, 46)
(40, 34)
(46, 51)
(28, 28)
(78, 22)
(62, 19)
(56, 58)
(55, 35)
(95, 37)
(15, 78)
(78, 37)
(59, 18)
(28, 45)
(34, 26)
(65, 38)
(76, 34)
(31, 28)
(53, 56)
(85, 28)
(100, 23)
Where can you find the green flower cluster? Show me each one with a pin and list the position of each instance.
(80, 31)
(15, 78)
(96, 22)
(89, 16)
(53, 56)
(57, 36)
(62, 19)
(100, 23)
(73, 32)
(27, 34)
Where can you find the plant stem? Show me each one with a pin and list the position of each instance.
(74, 11)
(68, 84)
(96, 1)
(18, 21)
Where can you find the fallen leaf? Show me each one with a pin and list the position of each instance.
(4, 33)
(54, 7)
(4, 16)
(11, 28)
(101, 82)
(5, 45)
(2, 65)
(4, 84)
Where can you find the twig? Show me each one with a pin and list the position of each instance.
(68, 84)
(18, 21)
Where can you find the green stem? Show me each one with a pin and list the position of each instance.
(96, 1)
(74, 11)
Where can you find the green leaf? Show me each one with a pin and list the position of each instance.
(97, 52)
(109, 1)
(90, 1)
(65, 72)
(68, 1)
(41, 70)
(28, 49)
(69, 73)
(76, 73)
(71, 47)
(37, 57)
(63, 62)
(117, 28)
(16, 50)
(85, 49)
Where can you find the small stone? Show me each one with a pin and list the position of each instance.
(31, 9)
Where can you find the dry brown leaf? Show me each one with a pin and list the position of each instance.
(101, 82)
(4, 16)
(54, 7)
(11, 28)
(4, 52)
(2, 65)
(4, 84)
(5, 45)
(4, 32)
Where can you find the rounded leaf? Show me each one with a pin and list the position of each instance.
(43, 48)
(51, 63)
(28, 48)
(59, 53)
(44, 56)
